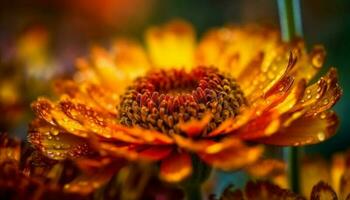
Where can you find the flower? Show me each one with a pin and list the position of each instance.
(334, 175)
(181, 99)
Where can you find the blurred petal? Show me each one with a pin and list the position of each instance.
(344, 190)
(171, 45)
(130, 59)
(135, 152)
(148, 136)
(305, 130)
(88, 183)
(313, 170)
(228, 154)
(233, 156)
(337, 171)
(176, 167)
(322, 191)
(10, 149)
(266, 168)
(231, 49)
(265, 125)
(263, 190)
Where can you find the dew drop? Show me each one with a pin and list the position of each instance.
(308, 91)
(321, 136)
(55, 132)
(325, 101)
(323, 116)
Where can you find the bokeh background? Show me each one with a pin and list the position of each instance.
(40, 39)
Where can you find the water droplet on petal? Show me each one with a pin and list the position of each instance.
(325, 101)
(323, 116)
(321, 136)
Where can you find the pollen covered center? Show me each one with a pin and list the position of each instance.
(164, 98)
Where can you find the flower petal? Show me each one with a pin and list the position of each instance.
(266, 168)
(89, 182)
(48, 111)
(305, 130)
(94, 120)
(229, 154)
(195, 127)
(308, 63)
(148, 136)
(323, 191)
(322, 95)
(313, 170)
(57, 143)
(172, 45)
(233, 158)
(231, 49)
(136, 152)
(176, 167)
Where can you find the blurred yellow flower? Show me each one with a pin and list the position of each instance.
(180, 99)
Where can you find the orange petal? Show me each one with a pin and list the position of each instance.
(322, 95)
(176, 167)
(344, 190)
(276, 78)
(103, 97)
(309, 64)
(149, 136)
(156, 152)
(193, 145)
(313, 170)
(49, 112)
(56, 143)
(265, 125)
(266, 168)
(232, 49)
(231, 157)
(305, 130)
(194, 127)
(337, 170)
(94, 120)
(171, 45)
(136, 152)
(323, 191)
(130, 58)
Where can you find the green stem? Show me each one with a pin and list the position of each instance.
(291, 156)
(193, 192)
(290, 19)
(291, 28)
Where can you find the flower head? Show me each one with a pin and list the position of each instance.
(180, 99)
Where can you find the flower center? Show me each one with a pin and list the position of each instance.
(162, 99)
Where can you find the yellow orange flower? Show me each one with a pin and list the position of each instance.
(334, 174)
(180, 98)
